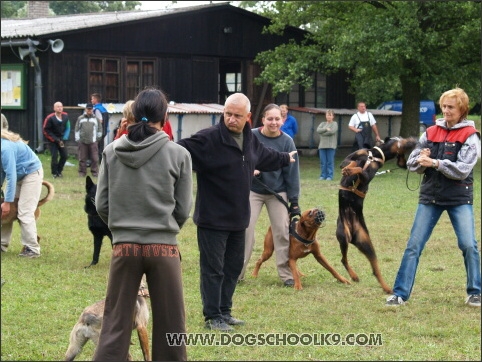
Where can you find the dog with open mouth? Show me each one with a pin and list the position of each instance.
(302, 243)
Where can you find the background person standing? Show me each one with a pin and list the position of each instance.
(363, 123)
(87, 132)
(56, 129)
(103, 118)
(290, 125)
(327, 146)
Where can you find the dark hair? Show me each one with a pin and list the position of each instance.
(150, 105)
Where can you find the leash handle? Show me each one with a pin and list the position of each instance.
(406, 182)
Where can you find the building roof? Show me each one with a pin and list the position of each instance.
(173, 108)
(22, 28)
(344, 111)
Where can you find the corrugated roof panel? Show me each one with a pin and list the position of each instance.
(344, 111)
(176, 108)
(19, 28)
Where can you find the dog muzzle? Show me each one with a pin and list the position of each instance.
(320, 217)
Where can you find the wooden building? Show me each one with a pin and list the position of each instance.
(199, 54)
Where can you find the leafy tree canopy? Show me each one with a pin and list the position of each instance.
(406, 50)
(15, 9)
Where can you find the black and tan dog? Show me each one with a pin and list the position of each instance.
(90, 322)
(358, 169)
(302, 243)
(13, 214)
(96, 226)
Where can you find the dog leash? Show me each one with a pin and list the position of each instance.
(294, 221)
(274, 193)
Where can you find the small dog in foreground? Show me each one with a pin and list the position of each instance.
(90, 322)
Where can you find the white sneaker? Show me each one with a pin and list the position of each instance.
(394, 301)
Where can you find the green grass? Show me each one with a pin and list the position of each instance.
(43, 298)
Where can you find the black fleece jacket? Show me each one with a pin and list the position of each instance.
(224, 175)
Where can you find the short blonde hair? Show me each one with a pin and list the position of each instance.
(127, 111)
(330, 111)
(461, 98)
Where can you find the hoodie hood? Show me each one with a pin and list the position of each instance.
(134, 154)
(463, 123)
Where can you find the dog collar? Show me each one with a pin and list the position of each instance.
(381, 152)
(296, 235)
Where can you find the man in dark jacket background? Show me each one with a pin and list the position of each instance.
(56, 129)
(224, 158)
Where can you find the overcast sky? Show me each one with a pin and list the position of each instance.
(156, 5)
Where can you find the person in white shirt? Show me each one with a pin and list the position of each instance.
(362, 123)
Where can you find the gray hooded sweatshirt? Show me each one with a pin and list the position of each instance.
(144, 190)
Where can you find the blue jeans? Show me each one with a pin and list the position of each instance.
(327, 162)
(426, 217)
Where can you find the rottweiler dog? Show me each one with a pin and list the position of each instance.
(302, 243)
(358, 169)
(96, 226)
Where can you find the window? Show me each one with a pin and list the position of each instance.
(104, 78)
(139, 74)
(107, 76)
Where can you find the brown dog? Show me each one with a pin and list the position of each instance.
(302, 242)
(358, 169)
(12, 216)
(90, 322)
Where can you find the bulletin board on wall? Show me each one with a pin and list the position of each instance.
(13, 86)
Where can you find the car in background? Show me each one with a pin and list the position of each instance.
(427, 111)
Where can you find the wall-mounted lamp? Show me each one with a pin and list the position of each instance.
(227, 30)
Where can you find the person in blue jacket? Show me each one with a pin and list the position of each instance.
(224, 157)
(290, 125)
(23, 173)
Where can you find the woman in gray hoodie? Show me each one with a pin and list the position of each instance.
(144, 195)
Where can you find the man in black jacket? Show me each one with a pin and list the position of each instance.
(56, 129)
(224, 157)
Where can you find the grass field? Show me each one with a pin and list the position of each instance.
(43, 298)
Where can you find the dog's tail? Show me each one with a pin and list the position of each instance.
(50, 193)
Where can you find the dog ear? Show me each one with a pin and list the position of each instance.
(88, 183)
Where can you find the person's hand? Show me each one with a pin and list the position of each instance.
(425, 152)
(256, 172)
(61, 144)
(292, 153)
(294, 210)
(5, 209)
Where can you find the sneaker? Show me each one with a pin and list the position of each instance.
(321, 178)
(289, 283)
(218, 324)
(329, 179)
(60, 174)
(394, 301)
(473, 300)
(232, 321)
(27, 253)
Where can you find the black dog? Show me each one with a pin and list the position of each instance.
(96, 226)
(358, 169)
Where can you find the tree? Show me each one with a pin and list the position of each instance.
(390, 49)
(80, 7)
(15, 9)
(10, 8)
